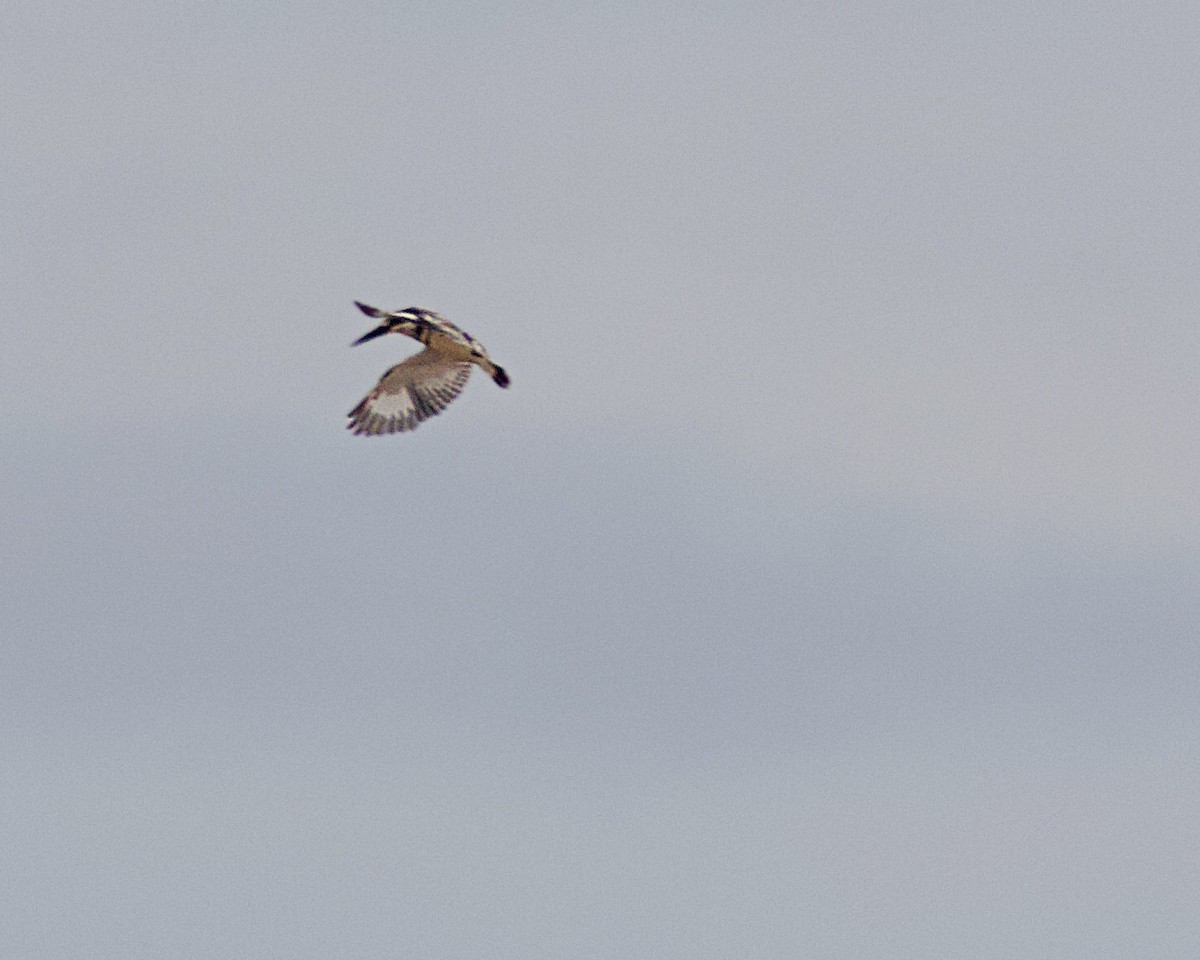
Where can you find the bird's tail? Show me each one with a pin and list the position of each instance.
(499, 375)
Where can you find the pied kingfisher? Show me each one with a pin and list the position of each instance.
(425, 383)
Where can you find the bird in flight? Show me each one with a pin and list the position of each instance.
(424, 384)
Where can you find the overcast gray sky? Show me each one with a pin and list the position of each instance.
(825, 585)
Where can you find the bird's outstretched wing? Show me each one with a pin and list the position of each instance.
(415, 390)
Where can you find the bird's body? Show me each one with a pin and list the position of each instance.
(426, 383)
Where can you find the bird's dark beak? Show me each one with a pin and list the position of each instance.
(377, 332)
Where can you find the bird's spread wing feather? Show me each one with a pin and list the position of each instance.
(415, 390)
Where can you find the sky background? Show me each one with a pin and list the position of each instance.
(825, 586)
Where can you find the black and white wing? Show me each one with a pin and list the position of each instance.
(415, 390)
